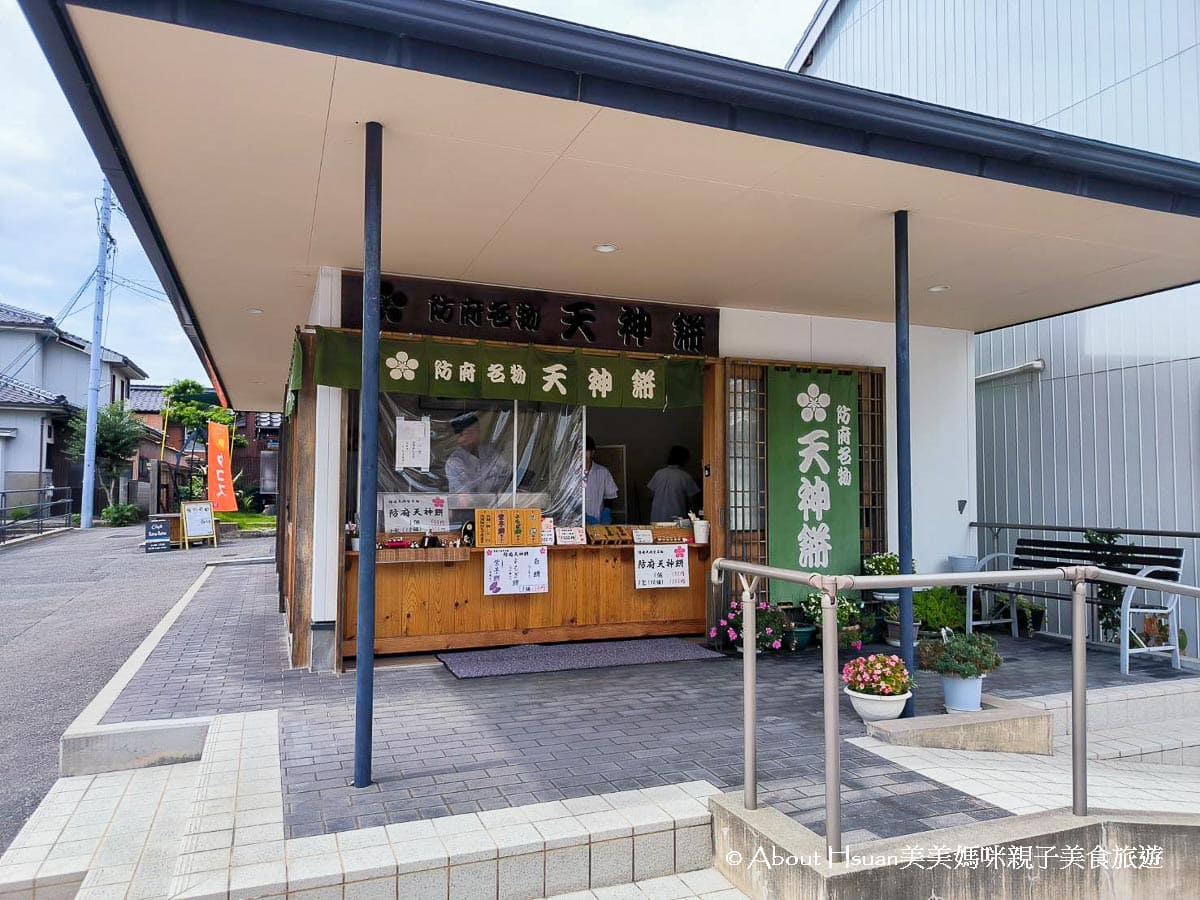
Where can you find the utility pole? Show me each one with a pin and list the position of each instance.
(93, 398)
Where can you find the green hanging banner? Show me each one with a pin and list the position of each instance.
(813, 513)
(403, 367)
(471, 371)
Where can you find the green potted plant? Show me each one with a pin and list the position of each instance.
(963, 660)
(849, 613)
(891, 621)
(1031, 615)
(878, 686)
(936, 608)
(769, 623)
(799, 631)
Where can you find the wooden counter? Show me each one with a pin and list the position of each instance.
(420, 607)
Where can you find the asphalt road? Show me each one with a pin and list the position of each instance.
(72, 609)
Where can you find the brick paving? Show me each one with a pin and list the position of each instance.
(444, 746)
(72, 609)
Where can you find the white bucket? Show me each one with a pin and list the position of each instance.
(700, 531)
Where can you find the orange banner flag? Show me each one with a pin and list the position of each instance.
(220, 479)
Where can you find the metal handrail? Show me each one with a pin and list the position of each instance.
(1080, 529)
(829, 585)
(42, 510)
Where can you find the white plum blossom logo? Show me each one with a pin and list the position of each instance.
(402, 366)
(812, 404)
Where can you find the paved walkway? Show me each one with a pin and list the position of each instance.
(445, 746)
(72, 609)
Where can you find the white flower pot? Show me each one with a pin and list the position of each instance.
(354, 544)
(874, 708)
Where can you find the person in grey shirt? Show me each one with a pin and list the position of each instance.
(673, 488)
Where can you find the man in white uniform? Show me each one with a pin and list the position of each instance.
(599, 489)
(475, 467)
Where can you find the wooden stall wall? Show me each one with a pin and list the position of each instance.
(423, 607)
(299, 524)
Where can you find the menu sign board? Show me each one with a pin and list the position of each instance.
(198, 521)
(158, 535)
(515, 570)
(660, 566)
(415, 512)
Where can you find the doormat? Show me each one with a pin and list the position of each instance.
(527, 658)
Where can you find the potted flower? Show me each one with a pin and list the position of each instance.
(849, 611)
(891, 619)
(769, 622)
(352, 535)
(878, 686)
(963, 660)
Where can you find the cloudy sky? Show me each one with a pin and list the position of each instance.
(50, 183)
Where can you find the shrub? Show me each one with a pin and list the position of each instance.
(120, 514)
(877, 674)
(938, 608)
(882, 564)
(19, 513)
(960, 655)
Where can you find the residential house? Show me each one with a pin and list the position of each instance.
(43, 379)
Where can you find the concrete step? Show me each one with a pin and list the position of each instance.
(1170, 742)
(214, 829)
(1134, 704)
(703, 884)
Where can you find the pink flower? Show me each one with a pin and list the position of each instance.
(767, 631)
(732, 635)
(857, 645)
(713, 632)
(724, 623)
(776, 645)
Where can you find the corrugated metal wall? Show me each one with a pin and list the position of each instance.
(1109, 433)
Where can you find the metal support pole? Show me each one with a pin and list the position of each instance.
(833, 746)
(904, 444)
(750, 691)
(93, 396)
(368, 457)
(1079, 697)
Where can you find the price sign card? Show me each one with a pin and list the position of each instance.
(515, 570)
(415, 512)
(660, 566)
(574, 535)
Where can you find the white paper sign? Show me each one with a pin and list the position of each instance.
(571, 535)
(412, 443)
(643, 536)
(415, 512)
(197, 519)
(660, 566)
(515, 570)
(548, 530)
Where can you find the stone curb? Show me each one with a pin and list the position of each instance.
(87, 747)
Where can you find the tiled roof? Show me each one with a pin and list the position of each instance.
(147, 398)
(15, 317)
(18, 393)
(268, 419)
(12, 315)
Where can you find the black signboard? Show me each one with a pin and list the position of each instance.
(487, 313)
(158, 535)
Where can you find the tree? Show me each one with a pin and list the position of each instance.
(187, 408)
(117, 436)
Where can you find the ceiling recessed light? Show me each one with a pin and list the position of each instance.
(254, 311)
(938, 288)
(605, 248)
